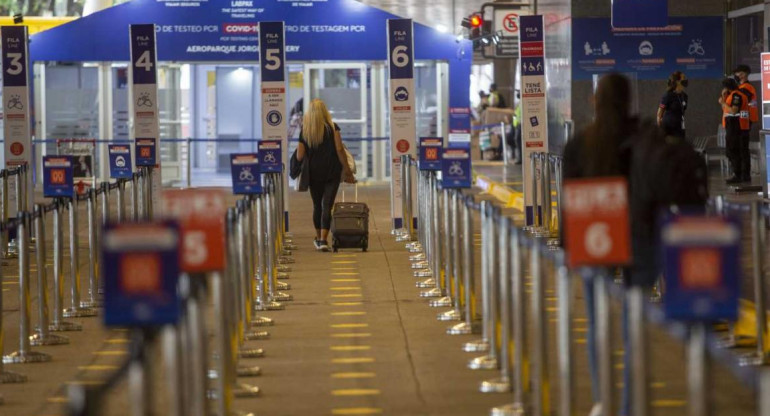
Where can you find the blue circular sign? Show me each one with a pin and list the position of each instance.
(274, 118)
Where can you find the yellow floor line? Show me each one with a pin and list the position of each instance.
(345, 274)
(118, 341)
(337, 256)
(346, 288)
(85, 382)
(580, 330)
(357, 313)
(552, 309)
(347, 303)
(338, 326)
(669, 403)
(580, 320)
(357, 411)
(653, 385)
(344, 262)
(97, 367)
(350, 348)
(11, 283)
(355, 392)
(353, 375)
(581, 341)
(341, 269)
(6, 290)
(352, 335)
(348, 295)
(345, 280)
(57, 399)
(355, 360)
(110, 352)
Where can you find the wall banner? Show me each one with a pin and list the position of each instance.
(534, 124)
(16, 126)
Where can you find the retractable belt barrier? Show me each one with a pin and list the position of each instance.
(512, 321)
(257, 253)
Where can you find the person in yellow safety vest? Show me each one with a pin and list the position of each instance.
(735, 120)
(496, 100)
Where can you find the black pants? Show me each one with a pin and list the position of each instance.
(737, 151)
(323, 194)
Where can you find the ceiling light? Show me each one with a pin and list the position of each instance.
(441, 28)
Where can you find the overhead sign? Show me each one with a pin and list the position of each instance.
(141, 269)
(273, 71)
(507, 27)
(120, 161)
(456, 168)
(534, 116)
(246, 174)
(201, 217)
(146, 152)
(58, 179)
(16, 113)
(144, 80)
(596, 222)
(459, 126)
(639, 13)
(403, 125)
(693, 45)
(702, 268)
(430, 153)
(270, 156)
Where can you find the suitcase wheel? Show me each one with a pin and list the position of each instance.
(335, 245)
(365, 245)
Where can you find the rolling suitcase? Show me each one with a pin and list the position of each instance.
(350, 224)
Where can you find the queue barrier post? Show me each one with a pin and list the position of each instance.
(425, 260)
(43, 335)
(278, 270)
(540, 376)
(246, 272)
(758, 246)
(419, 257)
(445, 281)
(93, 285)
(59, 324)
(77, 309)
(264, 256)
(4, 243)
(455, 314)
(24, 354)
(604, 343)
(635, 298)
(433, 284)
(135, 206)
(490, 292)
(7, 377)
(483, 344)
(502, 384)
(257, 261)
(469, 325)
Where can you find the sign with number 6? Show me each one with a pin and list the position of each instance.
(596, 222)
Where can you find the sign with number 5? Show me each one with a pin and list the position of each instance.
(200, 214)
(15, 95)
(596, 222)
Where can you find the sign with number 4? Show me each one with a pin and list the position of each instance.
(596, 222)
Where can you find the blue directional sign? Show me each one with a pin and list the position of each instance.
(120, 161)
(430, 153)
(247, 177)
(145, 152)
(456, 168)
(270, 156)
(701, 265)
(141, 269)
(639, 13)
(57, 176)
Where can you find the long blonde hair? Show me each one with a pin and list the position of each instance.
(315, 122)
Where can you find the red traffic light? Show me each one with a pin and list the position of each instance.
(476, 20)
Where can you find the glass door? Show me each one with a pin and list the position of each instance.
(343, 87)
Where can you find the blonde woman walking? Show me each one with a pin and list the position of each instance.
(321, 143)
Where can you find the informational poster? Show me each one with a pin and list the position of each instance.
(430, 153)
(120, 161)
(246, 173)
(57, 177)
(82, 152)
(403, 125)
(272, 62)
(506, 25)
(702, 268)
(146, 150)
(456, 168)
(639, 13)
(459, 126)
(141, 269)
(16, 112)
(534, 117)
(270, 156)
(693, 45)
(144, 102)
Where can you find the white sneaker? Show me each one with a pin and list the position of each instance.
(596, 410)
(324, 246)
(318, 244)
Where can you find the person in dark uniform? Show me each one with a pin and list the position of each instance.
(735, 119)
(673, 105)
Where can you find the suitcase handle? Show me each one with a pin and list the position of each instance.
(355, 185)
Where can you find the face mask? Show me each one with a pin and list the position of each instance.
(737, 79)
(685, 82)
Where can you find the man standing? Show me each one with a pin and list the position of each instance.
(742, 73)
(735, 119)
(496, 99)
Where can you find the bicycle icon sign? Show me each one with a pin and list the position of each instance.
(246, 174)
(455, 169)
(245, 170)
(15, 103)
(269, 158)
(144, 100)
(696, 48)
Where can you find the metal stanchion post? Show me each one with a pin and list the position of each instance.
(402, 232)
(489, 295)
(763, 392)
(540, 378)
(140, 386)
(638, 339)
(148, 213)
(59, 324)
(121, 205)
(566, 368)
(135, 181)
(485, 343)
(198, 364)
(265, 265)
(697, 372)
(503, 383)
(454, 254)
(171, 357)
(469, 292)
(272, 245)
(246, 272)
(7, 376)
(604, 343)
(93, 285)
(558, 174)
(758, 253)
(25, 353)
(535, 206)
(427, 264)
(4, 211)
(76, 310)
(281, 255)
(419, 258)
(445, 281)
(436, 250)
(43, 336)
(256, 261)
